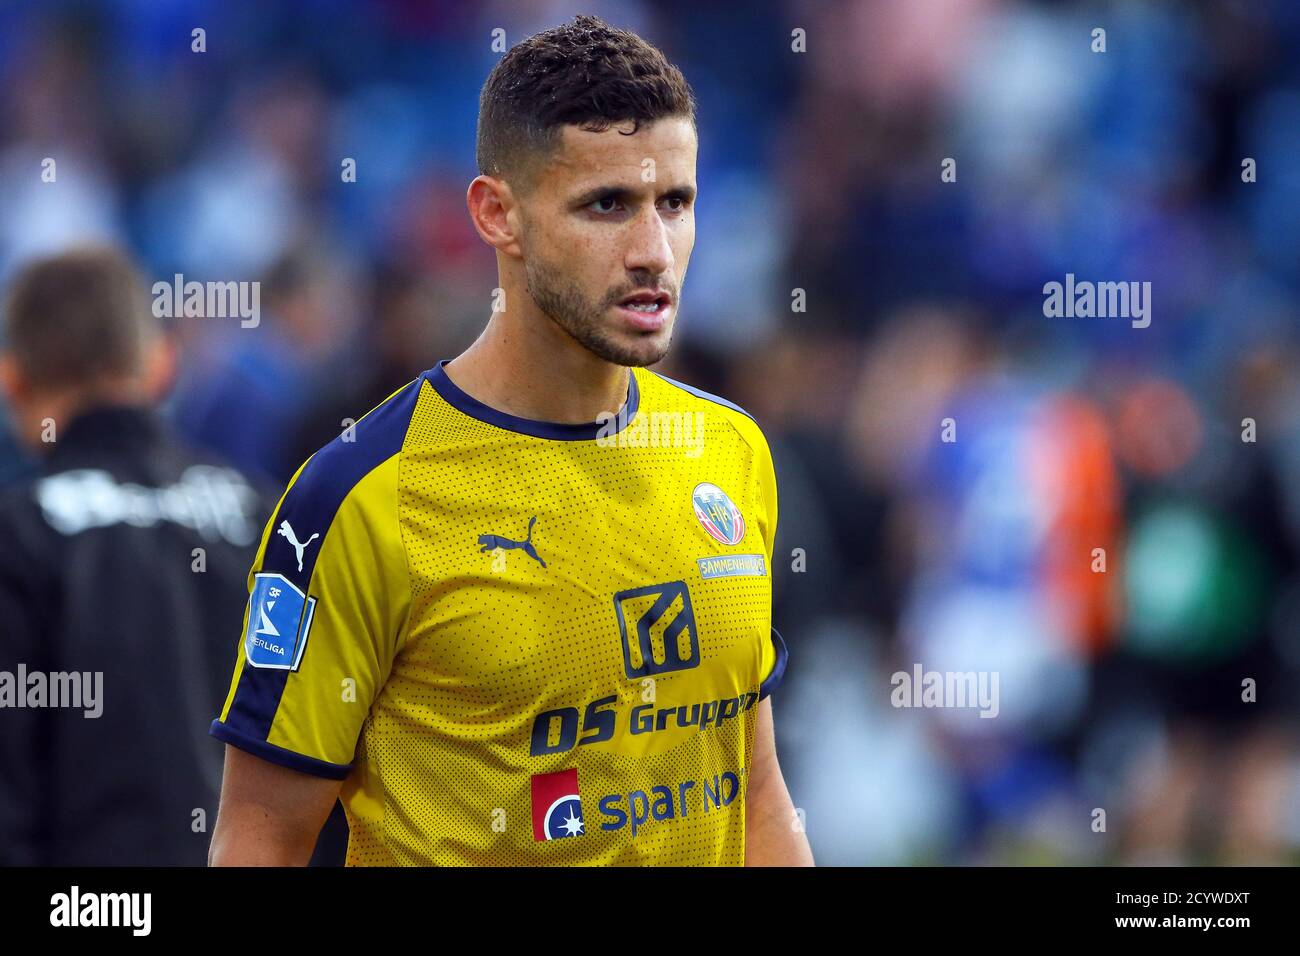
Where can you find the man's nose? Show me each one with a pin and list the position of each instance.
(648, 249)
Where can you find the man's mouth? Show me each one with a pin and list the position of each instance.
(647, 301)
(646, 311)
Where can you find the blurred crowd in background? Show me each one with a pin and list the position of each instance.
(1077, 440)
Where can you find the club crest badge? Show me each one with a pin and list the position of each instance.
(717, 513)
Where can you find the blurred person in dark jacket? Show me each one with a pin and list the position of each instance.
(121, 564)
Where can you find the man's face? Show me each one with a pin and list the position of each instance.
(608, 228)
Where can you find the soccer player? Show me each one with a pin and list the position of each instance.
(521, 612)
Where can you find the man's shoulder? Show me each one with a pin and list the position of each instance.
(673, 393)
(18, 509)
(338, 470)
(699, 393)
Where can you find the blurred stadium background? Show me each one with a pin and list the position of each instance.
(819, 171)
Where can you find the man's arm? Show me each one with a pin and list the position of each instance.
(773, 832)
(269, 815)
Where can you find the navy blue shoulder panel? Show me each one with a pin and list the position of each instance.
(307, 510)
(701, 393)
(310, 505)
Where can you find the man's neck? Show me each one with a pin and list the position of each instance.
(537, 371)
(63, 406)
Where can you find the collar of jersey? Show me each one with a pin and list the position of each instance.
(561, 431)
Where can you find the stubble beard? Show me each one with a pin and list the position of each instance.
(565, 305)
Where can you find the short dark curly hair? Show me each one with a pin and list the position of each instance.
(585, 73)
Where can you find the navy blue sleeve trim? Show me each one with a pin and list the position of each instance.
(278, 755)
(778, 671)
(701, 393)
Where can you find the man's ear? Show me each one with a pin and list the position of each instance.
(160, 367)
(494, 210)
(12, 383)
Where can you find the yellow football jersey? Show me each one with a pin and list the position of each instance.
(520, 642)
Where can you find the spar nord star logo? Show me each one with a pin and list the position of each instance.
(557, 805)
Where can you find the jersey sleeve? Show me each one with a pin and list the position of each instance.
(775, 655)
(329, 597)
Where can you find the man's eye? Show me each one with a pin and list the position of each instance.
(676, 203)
(607, 204)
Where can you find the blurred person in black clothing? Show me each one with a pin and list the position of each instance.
(122, 563)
